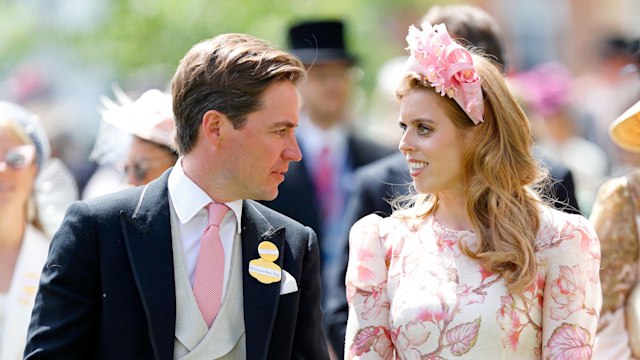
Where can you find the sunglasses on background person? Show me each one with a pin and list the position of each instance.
(18, 157)
(138, 170)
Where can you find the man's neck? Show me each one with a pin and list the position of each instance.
(205, 180)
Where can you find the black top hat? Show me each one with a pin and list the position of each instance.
(316, 42)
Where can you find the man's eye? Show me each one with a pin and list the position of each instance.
(403, 127)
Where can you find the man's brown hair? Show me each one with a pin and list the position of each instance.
(228, 73)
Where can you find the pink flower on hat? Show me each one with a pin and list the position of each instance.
(447, 66)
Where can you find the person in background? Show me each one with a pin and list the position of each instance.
(150, 150)
(24, 227)
(315, 190)
(476, 265)
(604, 92)
(375, 184)
(188, 267)
(150, 121)
(616, 219)
(545, 91)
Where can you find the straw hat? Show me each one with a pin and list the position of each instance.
(625, 131)
(150, 117)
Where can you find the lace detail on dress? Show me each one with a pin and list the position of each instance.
(613, 218)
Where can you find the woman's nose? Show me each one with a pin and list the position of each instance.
(405, 144)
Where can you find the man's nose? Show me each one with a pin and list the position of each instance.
(292, 152)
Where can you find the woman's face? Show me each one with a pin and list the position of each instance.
(431, 144)
(17, 170)
(146, 161)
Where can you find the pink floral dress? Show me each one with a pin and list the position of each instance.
(414, 295)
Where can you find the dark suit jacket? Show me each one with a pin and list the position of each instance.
(296, 195)
(374, 185)
(107, 290)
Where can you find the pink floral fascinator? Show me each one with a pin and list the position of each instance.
(447, 66)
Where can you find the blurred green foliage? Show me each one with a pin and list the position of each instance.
(127, 35)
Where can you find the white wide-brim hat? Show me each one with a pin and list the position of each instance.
(625, 130)
(150, 117)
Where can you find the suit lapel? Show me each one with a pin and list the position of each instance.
(260, 300)
(147, 235)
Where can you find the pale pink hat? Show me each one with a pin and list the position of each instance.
(150, 117)
(625, 130)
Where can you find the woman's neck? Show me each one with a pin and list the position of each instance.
(12, 228)
(451, 212)
(10, 242)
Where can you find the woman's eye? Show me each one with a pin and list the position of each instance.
(403, 127)
(423, 130)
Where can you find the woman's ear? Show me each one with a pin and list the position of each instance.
(212, 121)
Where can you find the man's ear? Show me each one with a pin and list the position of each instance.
(212, 121)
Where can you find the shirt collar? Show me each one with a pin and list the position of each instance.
(317, 138)
(188, 198)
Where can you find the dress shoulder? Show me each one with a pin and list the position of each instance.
(557, 227)
(567, 240)
(568, 252)
(364, 231)
(366, 291)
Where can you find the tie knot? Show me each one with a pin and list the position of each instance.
(217, 213)
(325, 153)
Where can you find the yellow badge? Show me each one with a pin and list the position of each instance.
(264, 268)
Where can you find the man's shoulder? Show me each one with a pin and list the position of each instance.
(557, 170)
(390, 168)
(275, 218)
(116, 201)
(366, 150)
(133, 198)
(390, 163)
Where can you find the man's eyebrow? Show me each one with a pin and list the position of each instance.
(288, 124)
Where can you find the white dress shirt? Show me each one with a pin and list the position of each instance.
(313, 139)
(189, 202)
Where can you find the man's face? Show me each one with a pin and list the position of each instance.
(325, 93)
(260, 151)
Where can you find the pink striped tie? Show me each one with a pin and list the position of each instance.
(209, 278)
(324, 181)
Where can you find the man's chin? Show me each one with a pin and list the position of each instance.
(268, 196)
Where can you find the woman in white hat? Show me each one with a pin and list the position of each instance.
(616, 219)
(150, 120)
(29, 214)
(148, 152)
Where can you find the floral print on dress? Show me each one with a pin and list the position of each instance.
(414, 295)
(568, 293)
(569, 342)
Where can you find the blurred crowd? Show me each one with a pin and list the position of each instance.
(339, 132)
